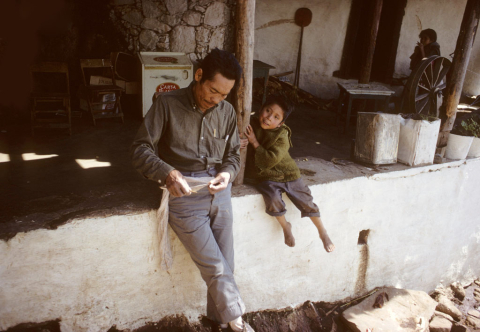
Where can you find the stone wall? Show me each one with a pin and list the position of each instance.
(191, 26)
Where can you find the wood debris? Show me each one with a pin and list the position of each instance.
(286, 89)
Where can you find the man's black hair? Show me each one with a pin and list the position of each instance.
(286, 106)
(430, 33)
(222, 62)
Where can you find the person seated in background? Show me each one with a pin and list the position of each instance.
(427, 46)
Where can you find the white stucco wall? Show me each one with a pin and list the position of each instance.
(443, 16)
(323, 41)
(94, 273)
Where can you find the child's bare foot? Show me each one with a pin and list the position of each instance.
(327, 243)
(287, 232)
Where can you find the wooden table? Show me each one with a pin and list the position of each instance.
(354, 90)
(261, 69)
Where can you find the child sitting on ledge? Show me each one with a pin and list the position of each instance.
(274, 170)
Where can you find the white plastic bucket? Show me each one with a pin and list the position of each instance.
(458, 146)
(474, 151)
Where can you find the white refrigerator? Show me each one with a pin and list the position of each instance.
(163, 72)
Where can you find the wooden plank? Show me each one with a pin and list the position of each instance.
(366, 67)
(456, 76)
(242, 101)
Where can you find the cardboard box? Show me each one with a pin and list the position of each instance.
(101, 80)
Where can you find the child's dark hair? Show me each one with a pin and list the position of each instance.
(430, 33)
(222, 62)
(283, 103)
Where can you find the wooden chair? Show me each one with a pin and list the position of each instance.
(103, 100)
(50, 96)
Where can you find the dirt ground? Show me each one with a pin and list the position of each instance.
(46, 193)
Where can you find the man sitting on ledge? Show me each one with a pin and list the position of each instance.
(193, 132)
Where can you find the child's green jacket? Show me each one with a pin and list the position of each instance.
(271, 160)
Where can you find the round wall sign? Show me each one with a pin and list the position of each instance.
(165, 87)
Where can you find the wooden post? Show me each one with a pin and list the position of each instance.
(242, 101)
(458, 69)
(366, 67)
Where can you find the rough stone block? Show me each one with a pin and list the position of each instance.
(458, 290)
(444, 315)
(406, 310)
(154, 24)
(440, 324)
(134, 17)
(122, 2)
(151, 9)
(215, 14)
(182, 39)
(447, 306)
(202, 35)
(473, 322)
(163, 47)
(474, 313)
(457, 327)
(204, 2)
(176, 6)
(172, 20)
(148, 39)
(192, 18)
(217, 39)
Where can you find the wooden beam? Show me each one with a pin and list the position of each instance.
(242, 101)
(456, 76)
(366, 66)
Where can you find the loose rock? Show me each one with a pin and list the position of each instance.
(440, 324)
(458, 290)
(447, 306)
(460, 328)
(474, 313)
(406, 310)
(473, 322)
(444, 315)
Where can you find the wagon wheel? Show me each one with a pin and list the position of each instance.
(426, 82)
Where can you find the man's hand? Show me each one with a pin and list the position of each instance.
(219, 183)
(252, 139)
(176, 184)
(421, 47)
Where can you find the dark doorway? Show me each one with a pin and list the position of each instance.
(385, 54)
